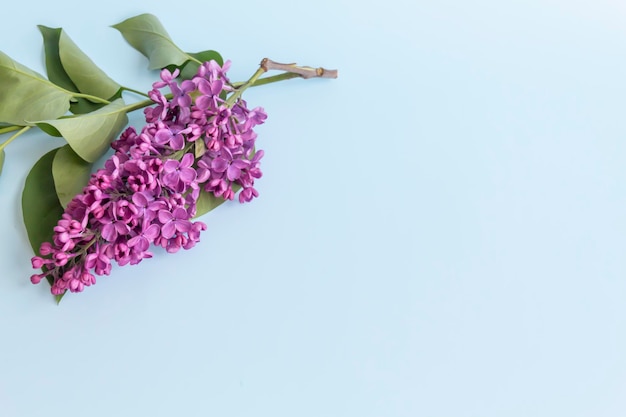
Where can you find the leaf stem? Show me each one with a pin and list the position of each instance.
(197, 61)
(9, 129)
(269, 80)
(144, 103)
(91, 98)
(132, 90)
(138, 105)
(15, 136)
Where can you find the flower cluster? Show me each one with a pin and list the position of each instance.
(195, 141)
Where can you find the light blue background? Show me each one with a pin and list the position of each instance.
(441, 230)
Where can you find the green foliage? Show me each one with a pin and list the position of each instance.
(40, 206)
(83, 72)
(55, 70)
(90, 134)
(1, 160)
(207, 201)
(72, 69)
(191, 67)
(70, 173)
(26, 96)
(146, 34)
(199, 148)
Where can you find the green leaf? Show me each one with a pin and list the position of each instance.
(207, 201)
(1, 160)
(90, 134)
(199, 148)
(84, 106)
(40, 206)
(26, 95)
(69, 68)
(56, 72)
(146, 34)
(71, 173)
(208, 55)
(86, 75)
(191, 67)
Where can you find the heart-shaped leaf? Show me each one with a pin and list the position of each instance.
(70, 68)
(70, 172)
(146, 34)
(90, 134)
(40, 205)
(26, 95)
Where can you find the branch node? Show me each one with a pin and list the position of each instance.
(304, 72)
(264, 63)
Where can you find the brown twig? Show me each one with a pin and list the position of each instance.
(305, 72)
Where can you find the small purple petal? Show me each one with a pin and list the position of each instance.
(165, 216)
(152, 232)
(187, 175)
(109, 233)
(163, 136)
(177, 142)
(183, 226)
(170, 165)
(187, 160)
(168, 230)
(180, 214)
(233, 173)
(219, 164)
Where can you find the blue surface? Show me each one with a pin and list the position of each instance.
(441, 231)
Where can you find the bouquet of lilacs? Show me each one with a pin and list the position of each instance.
(196, 149)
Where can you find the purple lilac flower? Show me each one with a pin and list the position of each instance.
(147, 191)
